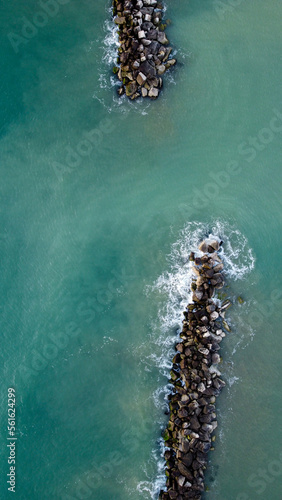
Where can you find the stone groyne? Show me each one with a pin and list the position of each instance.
(144, 54)
(196, 380)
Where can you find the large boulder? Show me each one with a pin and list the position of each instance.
(162, 38)
(203, 247)
(184, 471)
(214, 244)
(153, 93)
(120, 20)
(154, 47)
(130, 88)
(148, 69)
(141, 78)
(161, 69)
(187, 459)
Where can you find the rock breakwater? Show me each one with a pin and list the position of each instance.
(144, 54)
(196, 379)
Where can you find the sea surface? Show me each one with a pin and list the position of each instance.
(102, 201)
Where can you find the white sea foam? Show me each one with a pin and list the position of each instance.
(232, 380)
(151, 489)
(174, 284)
(111, 42)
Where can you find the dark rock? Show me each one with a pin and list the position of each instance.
(205, 418)
(152, 35)
(204, 446)
(183, 413)
(196, 465)
(187, 459)
(194, 423)
(184, 446)
(148, 69)
(184, 471)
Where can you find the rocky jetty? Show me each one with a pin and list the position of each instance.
(144, 54)
(196, 380)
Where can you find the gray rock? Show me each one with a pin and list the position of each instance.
(210, 308)
(184, 446)
(148, 69)
(162, 38)
(154, 47)
(214, 425)
(184, 471)
(214, 315)
(152, 34)
(161, 69)
(215, 359)
(194, 423)
(197, 295)
(204, 446)
(182, 413)
(204, 351)
(141, 78)
(181, 480)
(207, 428)
(201, 387)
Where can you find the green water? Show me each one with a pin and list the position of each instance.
(90, 303)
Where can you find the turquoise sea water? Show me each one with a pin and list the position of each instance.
(95, 235)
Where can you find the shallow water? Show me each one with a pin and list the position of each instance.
(94, 243)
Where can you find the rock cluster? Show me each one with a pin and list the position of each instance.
(143, 52)
(196, 380)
